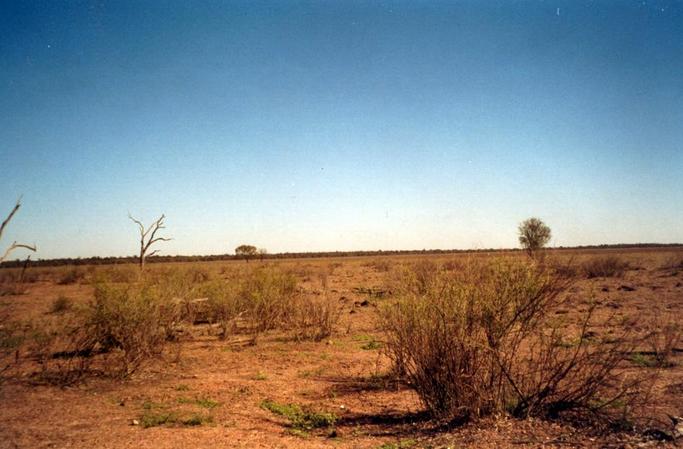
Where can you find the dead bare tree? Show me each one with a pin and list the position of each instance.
(148, 237)
(14, 245)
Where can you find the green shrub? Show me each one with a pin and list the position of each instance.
(225, 304)
(302, 419)
(267, 294)
(133, 320)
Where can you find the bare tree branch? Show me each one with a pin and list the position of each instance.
(9, 217)
(146, 242)
(14, 245)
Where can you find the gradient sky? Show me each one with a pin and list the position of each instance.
(307, 126)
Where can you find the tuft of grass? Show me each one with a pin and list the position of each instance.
(202, 402)
(260, 376)
(72, 276)
(197, 419)
(372, 344)
(61, 304)
(182, 387)
(155, 419)
(166, 418)
(644, 361)
(401, 444)
(301, 419)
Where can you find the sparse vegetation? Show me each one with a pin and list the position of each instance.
(473, 336)
(608, 266)
(72, 276)
(485, 340)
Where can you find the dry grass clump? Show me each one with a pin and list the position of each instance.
(72, 276)
(608, 266)
(380, 265)
(313, 317)
(61, 304)
(665, 335)
(485, 340)
(674, 262)
(266, 298)
(118, 273)
(413, 278)
(564, 268)
(267, 293)
(11, 338)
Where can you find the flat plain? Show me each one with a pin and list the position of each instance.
(210, 390)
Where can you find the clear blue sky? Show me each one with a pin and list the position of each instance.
(305, 126)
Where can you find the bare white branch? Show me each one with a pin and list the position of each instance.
(145, 241)
(14, 245)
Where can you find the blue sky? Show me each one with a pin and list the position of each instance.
(310, 126)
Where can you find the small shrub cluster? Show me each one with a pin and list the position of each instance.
(125, 324)
(155, 415)
(664, 336)
(267, 298)
(313, 317)
(134, 320)
(608, 266)
(485, 339)
(61, 304)
(72, 276)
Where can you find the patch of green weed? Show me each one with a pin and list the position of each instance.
(301, 419)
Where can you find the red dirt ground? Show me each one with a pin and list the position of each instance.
(335, 375)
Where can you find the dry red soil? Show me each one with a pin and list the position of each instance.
(228, 380)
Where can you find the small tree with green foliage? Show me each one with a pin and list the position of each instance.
(533, 235)
(246, 251)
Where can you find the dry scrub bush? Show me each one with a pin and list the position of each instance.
(224, 306)
(664, 336)
(266, 298)
(414, 278)
(267, 294)
(313, 317)
(674, 262)
(118, 273)
(608, 266)
(134, 321)
(63, 350)
(12, 282)
(563, 268)
(379, 265)
(11, 338)
(72, 276)
(485, 339)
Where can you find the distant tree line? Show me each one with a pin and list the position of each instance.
(301, 255)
